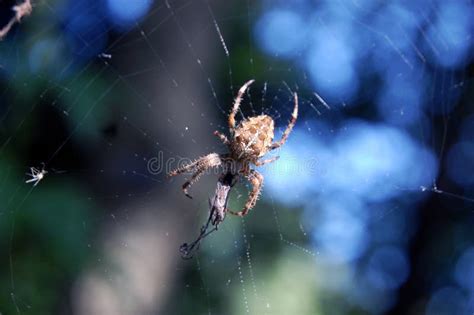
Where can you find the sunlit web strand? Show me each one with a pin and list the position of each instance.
(278, 225)
(249, 260)
(384, 36)
(218, 30)
(160, 60)
(193, 53)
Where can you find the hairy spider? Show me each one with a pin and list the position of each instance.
(249, 142)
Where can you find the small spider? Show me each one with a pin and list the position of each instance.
(250, 141)
(36, 175)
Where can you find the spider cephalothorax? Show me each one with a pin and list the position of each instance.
(249, 141)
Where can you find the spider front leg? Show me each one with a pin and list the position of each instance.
(256, 180)
(222, 137)
(235, 108)
(31, 180)
(33, 172)
(199, 166)
(292, 123)
(184, 169)
(270, 160)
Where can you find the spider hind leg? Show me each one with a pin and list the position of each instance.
(256, 179)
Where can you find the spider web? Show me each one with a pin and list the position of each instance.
(110, 95)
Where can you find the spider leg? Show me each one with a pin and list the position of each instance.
(270, 160)
(236, 105)
(222, 137)
(193, 180)
(31, 180)
(185, 168)
(201, 165)
(32, 173)
(287, 132)
(256, 179)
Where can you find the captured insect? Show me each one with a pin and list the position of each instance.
(36, 175)
(249, 141)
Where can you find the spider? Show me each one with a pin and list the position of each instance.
(249, 141)
(36, 175)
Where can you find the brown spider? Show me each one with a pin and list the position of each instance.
(250, 141)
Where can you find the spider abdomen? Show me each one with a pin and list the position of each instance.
(253, 137)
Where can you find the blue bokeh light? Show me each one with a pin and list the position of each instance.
(400, 108)
(451, 33)
(126, 12)
(281, 32)
(447, 301)
(391, 223)
(371, 160)
(301, 161)
(368, 160)
(330, 62)
(364, 165)
(388, 268)
(341, 234)
(400, 60)
(406, 22)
